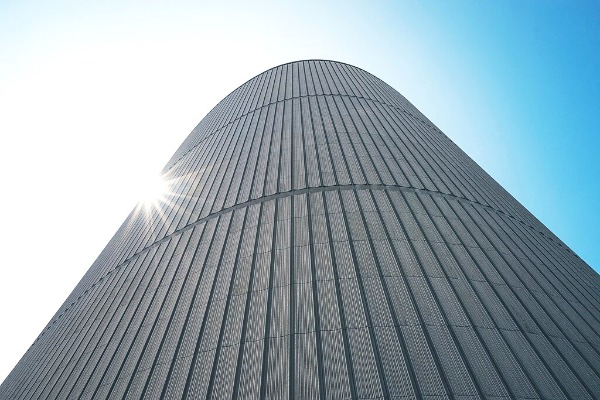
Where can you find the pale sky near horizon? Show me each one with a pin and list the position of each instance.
(96, 96)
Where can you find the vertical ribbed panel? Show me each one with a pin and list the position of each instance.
(323, 239)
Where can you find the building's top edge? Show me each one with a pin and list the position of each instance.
(237, 88)
(299, 61)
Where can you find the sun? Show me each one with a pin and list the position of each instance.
(153, 196)
(153, 190)
(156, 195)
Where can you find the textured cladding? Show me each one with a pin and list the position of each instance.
(323, 239)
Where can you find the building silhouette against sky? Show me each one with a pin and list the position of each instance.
(321, 238)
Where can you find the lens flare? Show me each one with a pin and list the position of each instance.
(152, 190)
(158, 194)
(154, 196)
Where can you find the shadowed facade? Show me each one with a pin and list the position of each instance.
(321, 238)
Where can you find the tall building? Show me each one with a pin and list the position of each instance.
(321, 238)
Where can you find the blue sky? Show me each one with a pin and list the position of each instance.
(96, 96)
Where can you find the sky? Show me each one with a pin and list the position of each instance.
(96, 96)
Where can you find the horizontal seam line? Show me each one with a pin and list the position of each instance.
(217, 130)
(279, 195)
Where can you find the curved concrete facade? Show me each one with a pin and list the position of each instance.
(323, 239)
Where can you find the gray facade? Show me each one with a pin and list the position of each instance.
(323, 240)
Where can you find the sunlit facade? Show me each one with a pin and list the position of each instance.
(318, 237)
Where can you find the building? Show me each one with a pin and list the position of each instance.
(323, 239)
